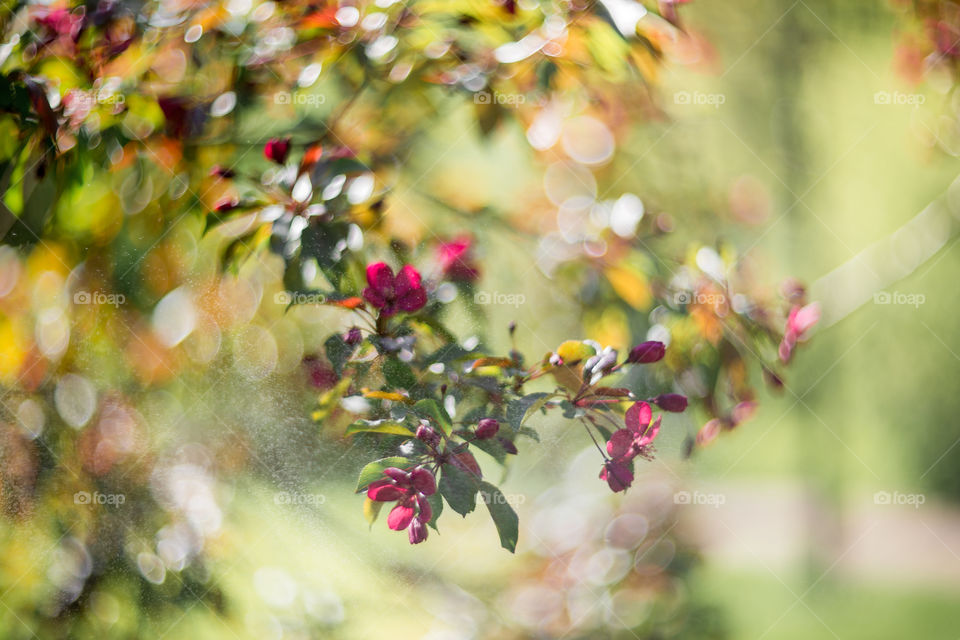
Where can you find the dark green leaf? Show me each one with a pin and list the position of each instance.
(517, 409)
(431, 409)
(436, 503)
(338, 352)
(504, 517)
(459, 489)
(398, 374)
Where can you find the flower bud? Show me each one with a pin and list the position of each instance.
(353, 337)
(277, 149)
(427, 434)
(426, 511)
(673, 402)
(647, 352)
(226, 204)
(397, 475)
(417, 532)
(222, 172)
(487, 428)
(423, 481)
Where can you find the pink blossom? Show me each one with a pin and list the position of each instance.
(799, 322)
(627, 443)
(456, 259)
(390, 293)
(410, 490)
(277, 149)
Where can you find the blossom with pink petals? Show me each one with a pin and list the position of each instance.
(456, 260)
(393, 293)
(628, 443)
(799, 322)
(277, 149)
(410, 490)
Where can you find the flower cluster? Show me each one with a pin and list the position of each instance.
(410, 490)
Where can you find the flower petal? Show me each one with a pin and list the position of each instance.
(384, 491)
(423, 481)
(619, 475)
(638, 417)
(650, 433)
(412, 300)
(380, 278)
(407, 280)
(426, 511)
(400, 516)
(374, 297)
(619, 443)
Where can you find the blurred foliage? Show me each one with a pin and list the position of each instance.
(152, 252)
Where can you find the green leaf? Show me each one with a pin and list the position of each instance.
(518, 409)
(398, 374)
(493, 448)
(459, 489)
(374, 470)
(504, 517)
(530, 433)
(338, 352)
(378, 426)
(436, 503)
(430, 408)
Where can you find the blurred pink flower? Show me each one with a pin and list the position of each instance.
(799, 322)
(277, 149)
(456, 260)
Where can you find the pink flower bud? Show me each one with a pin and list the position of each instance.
(398, 475)
(426, 511)
(647, 352)
(222, 172)
(417, 532)
(487, 428)
(427, 434)
(277, 150)
(423, 481)
(353, 336)
(673, 402)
